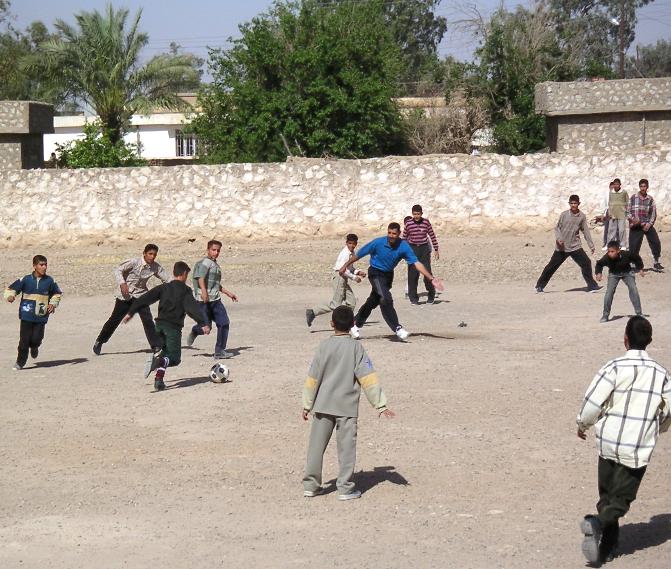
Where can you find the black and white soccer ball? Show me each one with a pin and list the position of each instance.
(219, 373)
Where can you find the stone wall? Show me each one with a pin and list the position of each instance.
(304, 197)
(22, 124)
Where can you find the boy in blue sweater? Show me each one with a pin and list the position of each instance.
(40, 296)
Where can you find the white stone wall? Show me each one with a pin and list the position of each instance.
(306, 197)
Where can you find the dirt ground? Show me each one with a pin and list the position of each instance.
(480, 468)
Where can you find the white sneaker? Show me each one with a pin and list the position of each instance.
(353, 495)
(402, 333)
(354, 332)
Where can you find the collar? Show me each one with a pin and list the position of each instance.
(638, 354)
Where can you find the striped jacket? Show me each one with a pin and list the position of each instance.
(628, 401)
(419, 233)
(36, 294)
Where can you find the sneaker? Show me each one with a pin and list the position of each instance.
(224, 355)
(310, 316)
(97, 348)
(353, 495)
(415, 302)
(190, 339)
(430, 300)
(591, 529)
(311, 493)
(354, 332)
(153, 362)
(604, 318)
(402, 333)
(17, 367)
(34, 352)
(539, 289)
(594, 289)
(158, 384)
(658, 266)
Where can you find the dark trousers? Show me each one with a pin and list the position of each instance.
(171, 339)
(618, 486)
(636, 235)
(558, 257)
(121, 308)
(215, 311)
(423, 253)
(380, 295)
(31, 335)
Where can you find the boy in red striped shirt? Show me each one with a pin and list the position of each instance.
(417, 232)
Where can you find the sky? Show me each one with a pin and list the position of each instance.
(202, 23)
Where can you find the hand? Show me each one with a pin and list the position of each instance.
(357, 279)
(305, 414)
(388, 413)
(50, 308)
(592, 250)
(124, 289)
(204, 297)
(232, 296)
(362, 274)
(634, 221)
(560, 245)
(10, 298)
(206, 329)
(646, 226)
(642, 272)
(127, 318)
(598, 277)
(436, 255)
(438, 284)
(581, 434)
(341, 270)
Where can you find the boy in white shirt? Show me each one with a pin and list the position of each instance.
(343, 295)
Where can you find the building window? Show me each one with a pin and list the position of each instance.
(185, 144)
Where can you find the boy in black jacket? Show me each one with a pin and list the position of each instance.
(621, 266)
(175, 299)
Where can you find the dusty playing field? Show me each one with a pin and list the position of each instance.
(480, 468)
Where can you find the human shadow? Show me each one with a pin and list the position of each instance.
(367, 479)
(56, 363)
(144, 351)
(635, 537)
(583, 289)
(234, 351)
(395, 338)
(188, 382)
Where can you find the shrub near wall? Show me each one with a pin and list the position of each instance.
(306, 197)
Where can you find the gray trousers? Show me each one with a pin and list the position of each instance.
(342, 295)
(320, 435)
(617, 230)
(613, 280)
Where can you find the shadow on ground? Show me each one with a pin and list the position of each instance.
(635, 537)
(56, 363)
(367, 479)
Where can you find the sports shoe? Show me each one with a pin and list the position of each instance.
(97, 347)
(591, 529)
(309, 316)
(153, 362)
(353, 495)
(604, 318)
(354, 332)
(34, 352)
(222, 355)
(414, 302)
(658, 266)
(430, 300)
(311, 493)
(402, 333)
(539, 289)
(17, 367)
(593, 289)
(190, 339)
(158, 384)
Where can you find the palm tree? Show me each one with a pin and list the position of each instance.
(97, 64)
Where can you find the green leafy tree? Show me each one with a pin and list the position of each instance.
(651, 61)
(304, 79)
(96, 63)
(97, 150)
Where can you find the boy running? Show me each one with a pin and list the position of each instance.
(342, 291)
(175, 299)
(339, 370)
(40, 295)
(628, 402)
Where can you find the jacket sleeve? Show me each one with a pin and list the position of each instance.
(122, 271)
(14, 289)
(600, 264)
(598, 393)
(193, 309)
(586, 233)
(311, 385)
(149, 297)
(367, 378)
(55, 294)
(162, 274)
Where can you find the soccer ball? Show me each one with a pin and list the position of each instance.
(219, 373)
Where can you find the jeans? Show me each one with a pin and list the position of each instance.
(613, 280)
(215, 311)
(121, 308)
(636, 235)
(31, 335)
(423, 253)
(171, 337)
(380, 295)
(558, 257)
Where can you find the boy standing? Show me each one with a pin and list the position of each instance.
(628, 401)
(207, 289)
(40, 296)
(621, 266)
(175, 299)
(342, 291)
(642, 217)
(618, 205)
(417, 231)
(339, 370)
(131, 278)
(567, 244)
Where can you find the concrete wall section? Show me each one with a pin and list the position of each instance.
(489, 193)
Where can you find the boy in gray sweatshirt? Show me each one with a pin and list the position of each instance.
(339, 369)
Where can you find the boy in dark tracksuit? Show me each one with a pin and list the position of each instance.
(40, 296)
(175, 300)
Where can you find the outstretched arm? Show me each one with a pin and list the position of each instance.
(353, 259)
